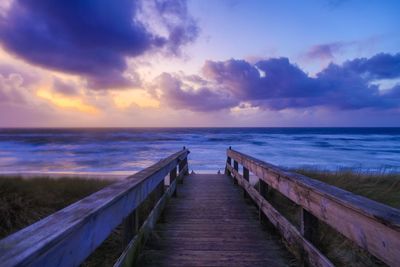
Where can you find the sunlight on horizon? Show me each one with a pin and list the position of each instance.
(67, 102)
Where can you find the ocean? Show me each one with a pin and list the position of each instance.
(128, 150)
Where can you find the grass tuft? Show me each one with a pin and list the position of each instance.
(25, 201)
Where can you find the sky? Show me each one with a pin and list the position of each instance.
(199, 63)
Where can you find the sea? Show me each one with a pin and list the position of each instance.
(128, 150)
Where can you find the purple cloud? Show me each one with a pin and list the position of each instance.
(64, 87)
(380, 66)
(203, 99)
(278, 84)
(90, 38)
(325, 51)
(11, 89)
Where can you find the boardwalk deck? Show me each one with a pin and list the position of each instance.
(210, 224)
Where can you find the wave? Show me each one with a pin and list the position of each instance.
(127, 150)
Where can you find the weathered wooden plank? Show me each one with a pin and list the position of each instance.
(53, 240)
(296, 241)
(373, 226)
(201, 229)
(131, 252)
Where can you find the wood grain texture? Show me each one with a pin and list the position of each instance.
(210, 224)
(296, 242)
(375, 227)
(131, 252)
(68, 236)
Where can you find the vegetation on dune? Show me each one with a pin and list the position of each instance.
(383, 187)
(25, 201)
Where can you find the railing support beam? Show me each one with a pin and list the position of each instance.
(236, 167)
(130, 227)
(172, 177)
(246, 176)
(309, 226)
(229, 162)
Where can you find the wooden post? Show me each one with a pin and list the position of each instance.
(181, 167)
(130, 227)
(172, 177)
(187, 164)
(263, 190)
(228, 161)
(246, 176)
(309, 226)
(236, 167)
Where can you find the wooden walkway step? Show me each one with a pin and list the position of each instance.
(210, 224)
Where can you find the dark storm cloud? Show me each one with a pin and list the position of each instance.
(202, 99)
(91, 38)
(380, 66)
(182, 28)
(277, 84)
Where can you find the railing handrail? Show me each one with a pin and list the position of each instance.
(88, 222)
(387, 215)
(372, 225)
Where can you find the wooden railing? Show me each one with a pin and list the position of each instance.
(372, 226)
(69, 236)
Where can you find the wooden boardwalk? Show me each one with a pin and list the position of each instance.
(210, 224)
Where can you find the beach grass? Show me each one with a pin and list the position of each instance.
(381, 186)
(24, 201)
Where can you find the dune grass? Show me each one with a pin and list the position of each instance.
(25, 201)
(383, 187)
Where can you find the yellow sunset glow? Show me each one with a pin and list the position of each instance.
(67, 102)
(124, 99)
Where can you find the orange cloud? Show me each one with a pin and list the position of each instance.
(123, 99)
(67, 102)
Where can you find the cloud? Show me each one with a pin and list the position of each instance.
(179, 95)
(92, 38)
(278, 84)
(380, 66)
(325, 51)
(65, 88)
(15, 85)
(11, 89)
(170, 20)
